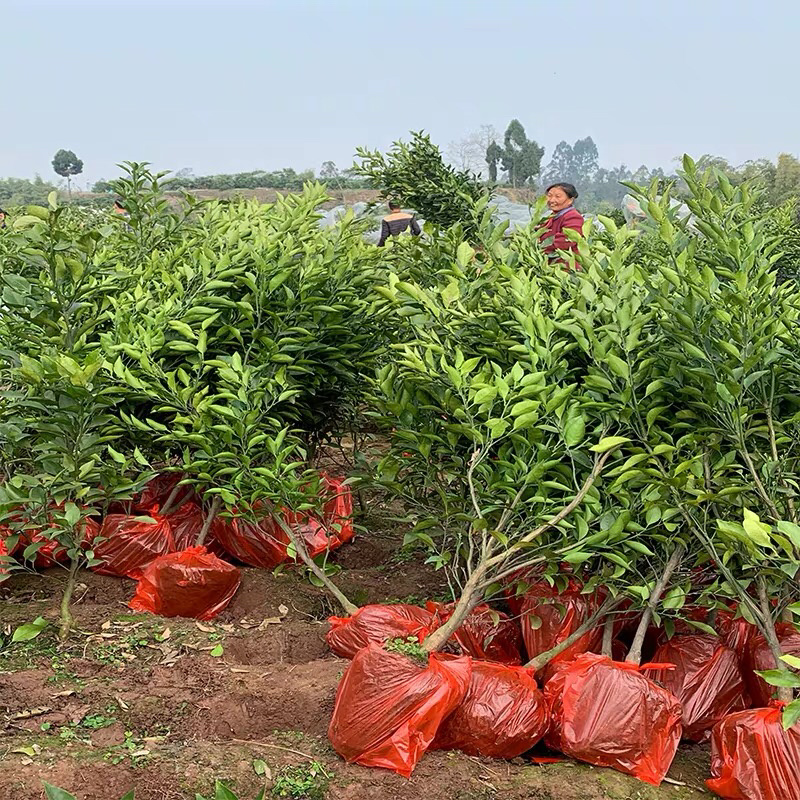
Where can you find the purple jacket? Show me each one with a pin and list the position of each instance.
(552, 235)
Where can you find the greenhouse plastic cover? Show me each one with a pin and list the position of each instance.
(388, 709)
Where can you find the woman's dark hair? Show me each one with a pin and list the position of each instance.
(118, 204)
(4, 212)
(569, 190)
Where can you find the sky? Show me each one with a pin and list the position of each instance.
(237, 86)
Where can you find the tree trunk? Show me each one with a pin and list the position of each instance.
(608, 637)
(471, 596)
(785, 693)
(215, 505)
(543, 659)
(66, 618)
(172, 503)
(319, 573)
(635, 653)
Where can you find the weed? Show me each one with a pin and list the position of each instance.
(410, 647)
(306, 782)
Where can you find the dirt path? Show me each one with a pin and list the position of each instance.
(167, 706)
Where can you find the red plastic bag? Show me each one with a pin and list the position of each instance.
(758, 657)
(736, 632)
(388, 708)
(503, 714)
(51, 552)
(754, 758)
(191, 583)
(378, 624)
(130, 545)
(608, 714)
(4, 555)
(261, 544)
(187, 522)
(549, 617)
(486, 634)
(706, 679)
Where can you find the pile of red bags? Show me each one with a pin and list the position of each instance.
(550, 616)
(377, 624)
(261, 544)
(502, 715)
(486, 634)
(754, 758)
(128, 545)
(191, 583)
(706, 679)
(609, 714)
(187, 521)
(735, 631)
(758, 657)
(388, 709)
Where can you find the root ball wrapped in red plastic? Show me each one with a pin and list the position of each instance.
(502, 715)
(758, 657)
(258, 544)
(130, 544)
(754, 758)
(550, 616)
(388, 709)
(377, 624)
(706, 679)
(486, 634)
(608, 714)
(192, 583)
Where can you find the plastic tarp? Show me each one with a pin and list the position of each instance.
(502, 715)
(609, 714)
(758, 657)
(706, 679)
(737, 632)
(377, 624)
(128, 544)
(485, 634)
(754, 758)
(190, 583)
(549, 617)
(388, 709)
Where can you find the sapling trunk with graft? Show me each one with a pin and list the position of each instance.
(785, 693)
(66, 620)
(635, 653)
(495, 561)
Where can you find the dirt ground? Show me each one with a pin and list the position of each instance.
(166, 706)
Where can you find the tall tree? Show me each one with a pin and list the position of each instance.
(787, 178)
(66, 164)
(522, 157)
(576, 163)
(494, 155)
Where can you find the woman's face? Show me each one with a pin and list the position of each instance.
(557, 199)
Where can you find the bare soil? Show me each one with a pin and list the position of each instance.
(139, 701)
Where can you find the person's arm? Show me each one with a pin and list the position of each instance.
(415, 229)
(384, 233)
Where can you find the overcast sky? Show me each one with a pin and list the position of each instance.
(234, 86)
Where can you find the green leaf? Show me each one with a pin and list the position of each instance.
(222, 792)
(217, 651)
(791, 714)
(116, 455)
(30, 630)
(526, 421)
(618, 366)
(575, 427)
(757, 530)
(260, 767)
(524, 407)
(54, 793)
(792, 661)
(780, 677)
(464, 254)
(791, 530)
(609, 443)
(72, 514)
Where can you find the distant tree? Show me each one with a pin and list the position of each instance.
(787, 179)
(577, 163)
(522, 157)
(494, 156)
(66, 164)
(328, 171)
(184, 172)
(469, 153)
(102, 186)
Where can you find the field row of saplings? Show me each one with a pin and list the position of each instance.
(601, 457)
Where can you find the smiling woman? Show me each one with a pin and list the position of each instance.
(560, 200)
